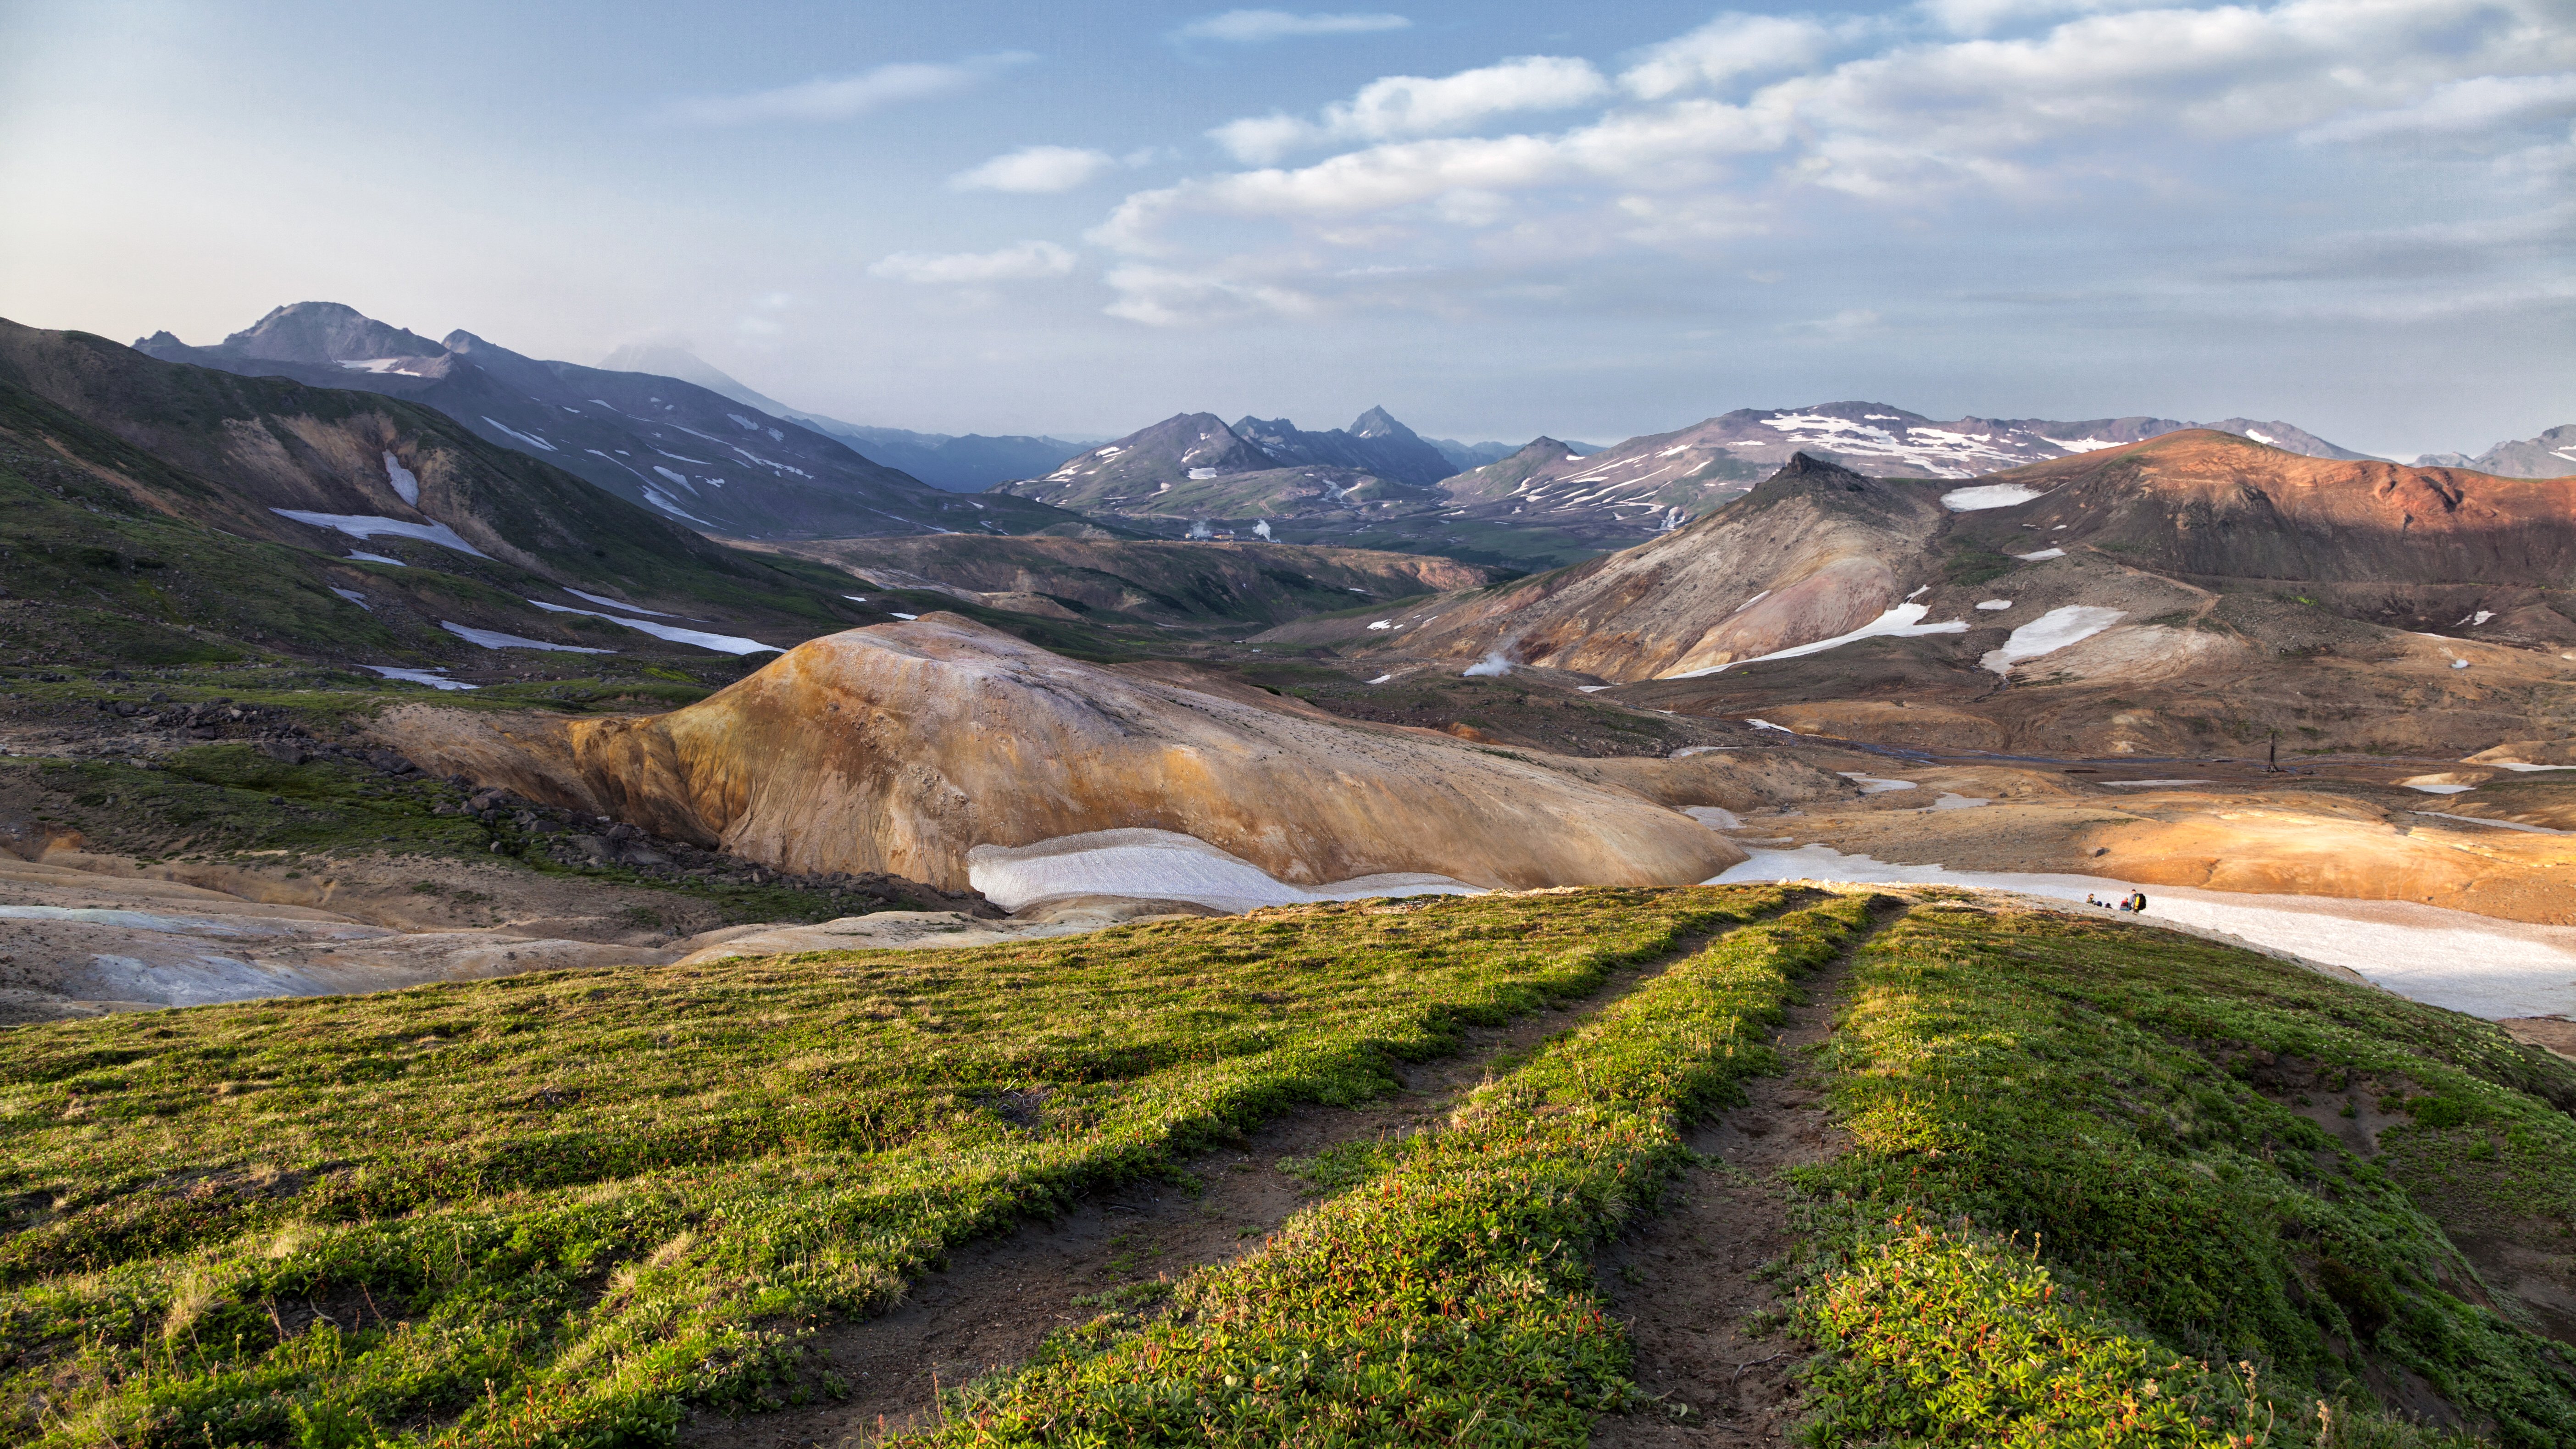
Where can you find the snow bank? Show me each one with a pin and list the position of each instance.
(1989, 495)
(1902, 622)
(362, 527)
(495, 639)
(721, 643)
(2051, 632)
(406, 483)
(531, 441)
(354, 597)
(1876, 785)
(1715, 817)
(1164, 865)
(630, 608)
(2451, 959)
(357, 556)
(2045, 553)
(420, 676)
(1994, 605)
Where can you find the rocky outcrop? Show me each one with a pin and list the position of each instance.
(901, 748)
(1815, 551)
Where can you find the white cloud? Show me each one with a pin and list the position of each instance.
(1161, 297)
(1020, 262)
(2474, 108)
(1411, 105)
(840, 98)
(1730, 46)
(1035, 169)
(1249, 27)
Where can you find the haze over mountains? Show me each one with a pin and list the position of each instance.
(693, 454)
(2550, 455)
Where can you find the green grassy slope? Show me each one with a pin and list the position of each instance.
(542, 1209)
(2087, 1204)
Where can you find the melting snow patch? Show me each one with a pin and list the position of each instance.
(721, 643)
(420, 676)
(1902, 622)
(2523, 766)
(1595, 688)
(1989, 495)
(1381, 679)
(495, 639)
(1492, 666)
(1164, 865)
(1749, 603)
(1875, 785)
(1957, 802)
(2045, 553)
(2498, 824)
(1715, 817)
(363, 527)
(354, 597)
(907, 617)
(2459, 664)
(622, 604)
(1201, 475)
(1919, 591)
(2050, 632)
(1386, 624)
(362, 557)
(1764, 724)
(2438, 789)
(1991, 605)
(407, 485)
(2476, 964)
(533, 442)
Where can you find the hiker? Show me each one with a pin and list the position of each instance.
(2138, 902)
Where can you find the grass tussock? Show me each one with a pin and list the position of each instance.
(1446, 1298)
(548, 1209)
(2092, 1200)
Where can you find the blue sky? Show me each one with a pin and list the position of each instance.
(1496, 219)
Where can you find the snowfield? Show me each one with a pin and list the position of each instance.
(1989, 495)
(420, 676)
(1902, 622)
(630, 608)
(2452, 959)
(1164, 865)
(406, 483)
(721, 643)
(2049, 633)
(362, 527)
(495, 639)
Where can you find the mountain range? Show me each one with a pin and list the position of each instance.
(693, 454)
(164, 512)
(2551, 455)
(967, 463)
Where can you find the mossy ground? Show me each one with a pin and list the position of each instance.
(552, 1208)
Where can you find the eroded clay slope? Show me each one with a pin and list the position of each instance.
(1813, 552)
(900, 748)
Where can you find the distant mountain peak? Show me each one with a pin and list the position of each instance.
(326, 332)
(1377, 422)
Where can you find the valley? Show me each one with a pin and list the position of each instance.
(1262, 935)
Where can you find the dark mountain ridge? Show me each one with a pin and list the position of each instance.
(683, 450)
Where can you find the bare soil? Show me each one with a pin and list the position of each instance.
(993, 1302)
(1690, 1284)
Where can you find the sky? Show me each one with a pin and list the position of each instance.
(1497, 219)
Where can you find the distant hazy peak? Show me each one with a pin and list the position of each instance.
(1377, 422)
(325, 332)
(2550, 455)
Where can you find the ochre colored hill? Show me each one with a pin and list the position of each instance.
(902, 747)
(2204, 503)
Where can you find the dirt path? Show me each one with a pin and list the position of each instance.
(997, 1299)
(1685, 1283)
